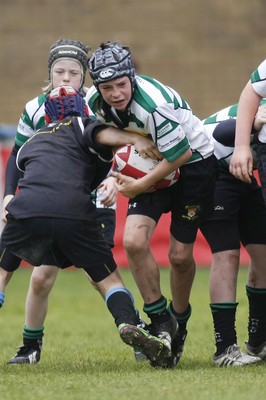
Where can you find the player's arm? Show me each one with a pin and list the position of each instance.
(25, 129)
(115, 137)
(241, 165)
(108, 191)
(11, 180)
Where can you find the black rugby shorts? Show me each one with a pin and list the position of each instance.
(60, 242)
(190, 200)
(239, 214)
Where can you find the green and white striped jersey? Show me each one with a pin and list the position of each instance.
(222, 115)
(258, 79)
(31, 119)
(160, 112)
(223, 153)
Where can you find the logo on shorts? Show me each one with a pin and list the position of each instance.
(191, 212)
(219, 208)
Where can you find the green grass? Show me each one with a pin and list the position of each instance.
(84, 358)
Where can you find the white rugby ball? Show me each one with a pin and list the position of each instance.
(129, 162)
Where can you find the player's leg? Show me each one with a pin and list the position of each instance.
(192, 203)
(107, 220)
(256, 293)
(221, 236)
(233, 221)
(145, 270)
(181, 280)
(87, 249)
(5, 277)
(24, 237)
(183, 269)
(8, 264)
(29, 352)
(253, 237)
(223, 283)
(41, 283)
(120, 303)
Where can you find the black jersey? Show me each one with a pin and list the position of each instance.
(61, 165)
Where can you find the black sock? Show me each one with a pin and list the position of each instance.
(120, 304)
(182, 318)
(32, 337)
(157, 311)
(257, 316)
(223, 315)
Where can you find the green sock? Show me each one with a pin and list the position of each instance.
(182, 318)
(157, 311)
(157, 307)
(32, 336)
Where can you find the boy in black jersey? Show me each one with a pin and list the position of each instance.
(61, 165)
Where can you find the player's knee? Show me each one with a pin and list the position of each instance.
(180, 261)
(42, 282)
(135, 245)
(5, 277)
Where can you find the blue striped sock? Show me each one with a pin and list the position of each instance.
(2, 298)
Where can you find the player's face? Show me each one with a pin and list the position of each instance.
(66, 73)
(117, 93)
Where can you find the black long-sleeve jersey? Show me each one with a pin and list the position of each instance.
(61, 164)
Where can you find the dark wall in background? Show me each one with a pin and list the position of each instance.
(205, 49)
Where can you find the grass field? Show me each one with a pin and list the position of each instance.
(84, 358)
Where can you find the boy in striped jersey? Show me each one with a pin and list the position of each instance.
(143, 105)
(66, 66)
(241, 165)
(239, 217)
(242, 160)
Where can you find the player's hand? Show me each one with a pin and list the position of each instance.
(241, 165)
(108, 191)
(6, 200)
(147, 148)
(260, 118)
(130, 187)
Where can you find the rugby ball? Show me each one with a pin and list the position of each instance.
(129, 162)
